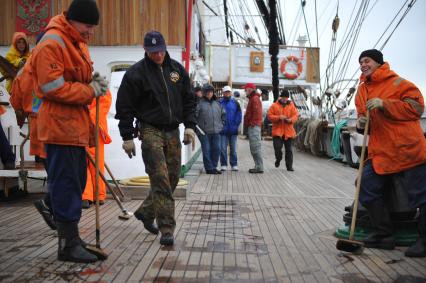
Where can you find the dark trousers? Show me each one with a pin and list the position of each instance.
(278, 145)
(373, 184)
(67, 171)
(6, 153)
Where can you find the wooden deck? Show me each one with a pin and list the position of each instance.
(234, 227)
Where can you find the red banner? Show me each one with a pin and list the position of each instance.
(32, 16)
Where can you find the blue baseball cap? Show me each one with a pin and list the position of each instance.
(154, 42)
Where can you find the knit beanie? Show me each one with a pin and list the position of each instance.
(285, 93)
(374, 54)
(83, 11)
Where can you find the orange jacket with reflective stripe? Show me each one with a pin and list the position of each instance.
(396, 139)
(281, 128)
(62, 71)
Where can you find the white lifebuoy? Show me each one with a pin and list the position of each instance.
(291, 75)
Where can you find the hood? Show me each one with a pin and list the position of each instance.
(60, 22)
(16, 37)
(380, 74)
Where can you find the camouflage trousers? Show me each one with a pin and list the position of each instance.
(161, 153)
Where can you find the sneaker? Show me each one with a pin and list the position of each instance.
(223, 168)
(255, 171)
(234, 168)
(217, 171)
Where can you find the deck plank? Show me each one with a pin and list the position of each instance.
(233, 227)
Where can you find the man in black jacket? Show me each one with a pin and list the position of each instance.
(156, 91)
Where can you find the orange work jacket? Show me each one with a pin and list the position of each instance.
(62, 71)
(282, 128)
(396, 139)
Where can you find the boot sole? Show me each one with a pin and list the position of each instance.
(71, 259)
(381, 247)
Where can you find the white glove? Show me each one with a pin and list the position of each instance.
(97, 88)
(374, 103)
(102, 81)
(360, 123)
(189, 137)
(129, 148)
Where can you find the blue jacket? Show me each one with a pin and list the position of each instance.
(233, 116)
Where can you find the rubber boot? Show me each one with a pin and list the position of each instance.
(419, 247)
(69, 244)
(382, 236)
(46, 213)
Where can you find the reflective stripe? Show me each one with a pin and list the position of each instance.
(398, 81)
(54, 37)
(20, 71)
(53, 85)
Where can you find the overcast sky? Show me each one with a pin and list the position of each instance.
(404, 51)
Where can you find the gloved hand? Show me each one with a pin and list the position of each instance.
(374, 103)
(360, 123)
(129, 148)
(189, 137)
(97, 88)
(101, 80)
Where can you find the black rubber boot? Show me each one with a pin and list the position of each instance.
(69, 244)
(149, 225)
(46, 213)
(382, 237)
(167, 239)
(419, 247)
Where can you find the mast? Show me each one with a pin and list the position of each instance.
(187, 52)
(225, 10)
(273, 46)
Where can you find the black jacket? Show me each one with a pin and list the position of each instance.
(159, 96)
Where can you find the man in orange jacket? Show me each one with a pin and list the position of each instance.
(62, 75)
(25, 103)
(283, 114)
(104, 138)
(396, 145)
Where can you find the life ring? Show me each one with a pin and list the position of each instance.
(297, 62)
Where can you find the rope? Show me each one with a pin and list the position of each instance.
(335, 140)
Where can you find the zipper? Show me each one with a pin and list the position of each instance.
(167, 92)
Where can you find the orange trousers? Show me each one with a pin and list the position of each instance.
(36, 146)
(89, 190)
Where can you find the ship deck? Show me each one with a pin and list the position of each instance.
(235, 227)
